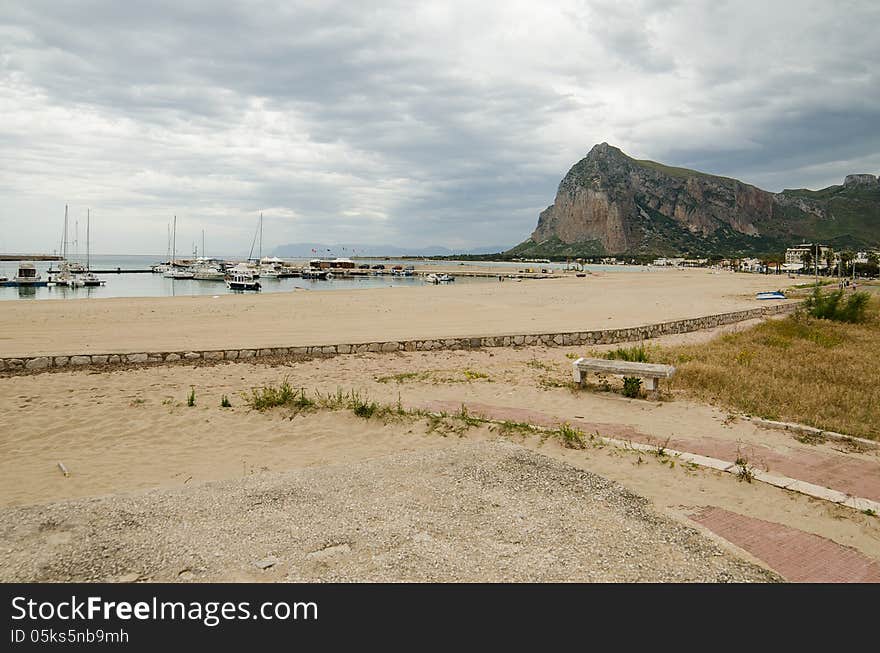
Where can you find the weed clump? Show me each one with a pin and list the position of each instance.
(224, 402)
(191, 399)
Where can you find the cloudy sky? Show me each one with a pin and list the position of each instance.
(414, 124)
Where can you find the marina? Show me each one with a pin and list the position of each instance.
(147, 276)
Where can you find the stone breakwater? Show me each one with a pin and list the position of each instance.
(34, 364)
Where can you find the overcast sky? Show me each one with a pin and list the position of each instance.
(414, 124)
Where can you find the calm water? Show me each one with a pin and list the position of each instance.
(156, 285)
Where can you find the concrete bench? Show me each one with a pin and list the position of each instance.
(650, 372)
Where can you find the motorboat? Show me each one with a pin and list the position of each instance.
(27, 277)
(242, 281)
(316, 273)
(208, 273)
(179, 273)
(90, 280)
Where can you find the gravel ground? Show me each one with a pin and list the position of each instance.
(484, 511)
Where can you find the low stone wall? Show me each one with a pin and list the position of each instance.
(29, 364)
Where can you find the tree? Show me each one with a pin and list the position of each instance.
(829, 260)
(845, 259)
(807, 259)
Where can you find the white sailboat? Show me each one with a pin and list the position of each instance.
(174, 272)
(89, 279)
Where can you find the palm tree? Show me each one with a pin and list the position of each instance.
(829, 260)
(845, 259)
(807, 259)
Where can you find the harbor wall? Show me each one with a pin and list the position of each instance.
(35, 364)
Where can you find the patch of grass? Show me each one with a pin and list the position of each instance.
(571, 437)
(224, 402)
(535, 364)
(191, 399)
(270, 396)
(403, 377)
(472, 375)
(870, 512)
(798, 369)
(636, 354)
(508, 427)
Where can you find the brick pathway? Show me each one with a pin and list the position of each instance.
(798, 556)
(850, 475)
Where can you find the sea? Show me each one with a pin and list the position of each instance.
(147, 284)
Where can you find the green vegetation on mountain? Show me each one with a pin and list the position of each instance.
(611, 204)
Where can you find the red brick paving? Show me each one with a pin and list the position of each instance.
(850, 475)
(796, 555)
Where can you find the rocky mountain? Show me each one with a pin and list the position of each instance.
(610, 203)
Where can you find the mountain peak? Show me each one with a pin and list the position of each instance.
(610, 203)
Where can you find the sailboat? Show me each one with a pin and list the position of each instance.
(266, 269)
(174, 272)
(64, 275)
(89, 279)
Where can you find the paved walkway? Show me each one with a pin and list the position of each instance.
(798, 556)
(849, 475)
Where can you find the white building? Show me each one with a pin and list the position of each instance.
(794, 256)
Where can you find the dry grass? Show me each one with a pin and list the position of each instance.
(798, 369)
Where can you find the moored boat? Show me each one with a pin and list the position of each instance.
(242, 281)
(27, 277)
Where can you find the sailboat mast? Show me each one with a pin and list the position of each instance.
(203, 243)
(88, 220)
(174, 242)
(64, 242)
(261, 235)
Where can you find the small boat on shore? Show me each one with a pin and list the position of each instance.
(777, 294)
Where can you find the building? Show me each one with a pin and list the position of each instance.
(794, 256)
(752, 265)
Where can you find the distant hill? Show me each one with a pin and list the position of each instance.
(610, 203)
(305, 250)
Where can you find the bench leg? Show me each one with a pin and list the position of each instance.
(651, 384)
(578, 376)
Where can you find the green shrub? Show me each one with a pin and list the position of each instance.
(632, 385)
(224, 402)
(833, 306)
(191, 400)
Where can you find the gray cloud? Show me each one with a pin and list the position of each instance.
(401, 123)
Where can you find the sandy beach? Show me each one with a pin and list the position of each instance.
(608, 300)
(396, 497)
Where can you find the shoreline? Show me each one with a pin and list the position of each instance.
(398, 314)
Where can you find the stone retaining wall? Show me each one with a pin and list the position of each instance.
(29, 364)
